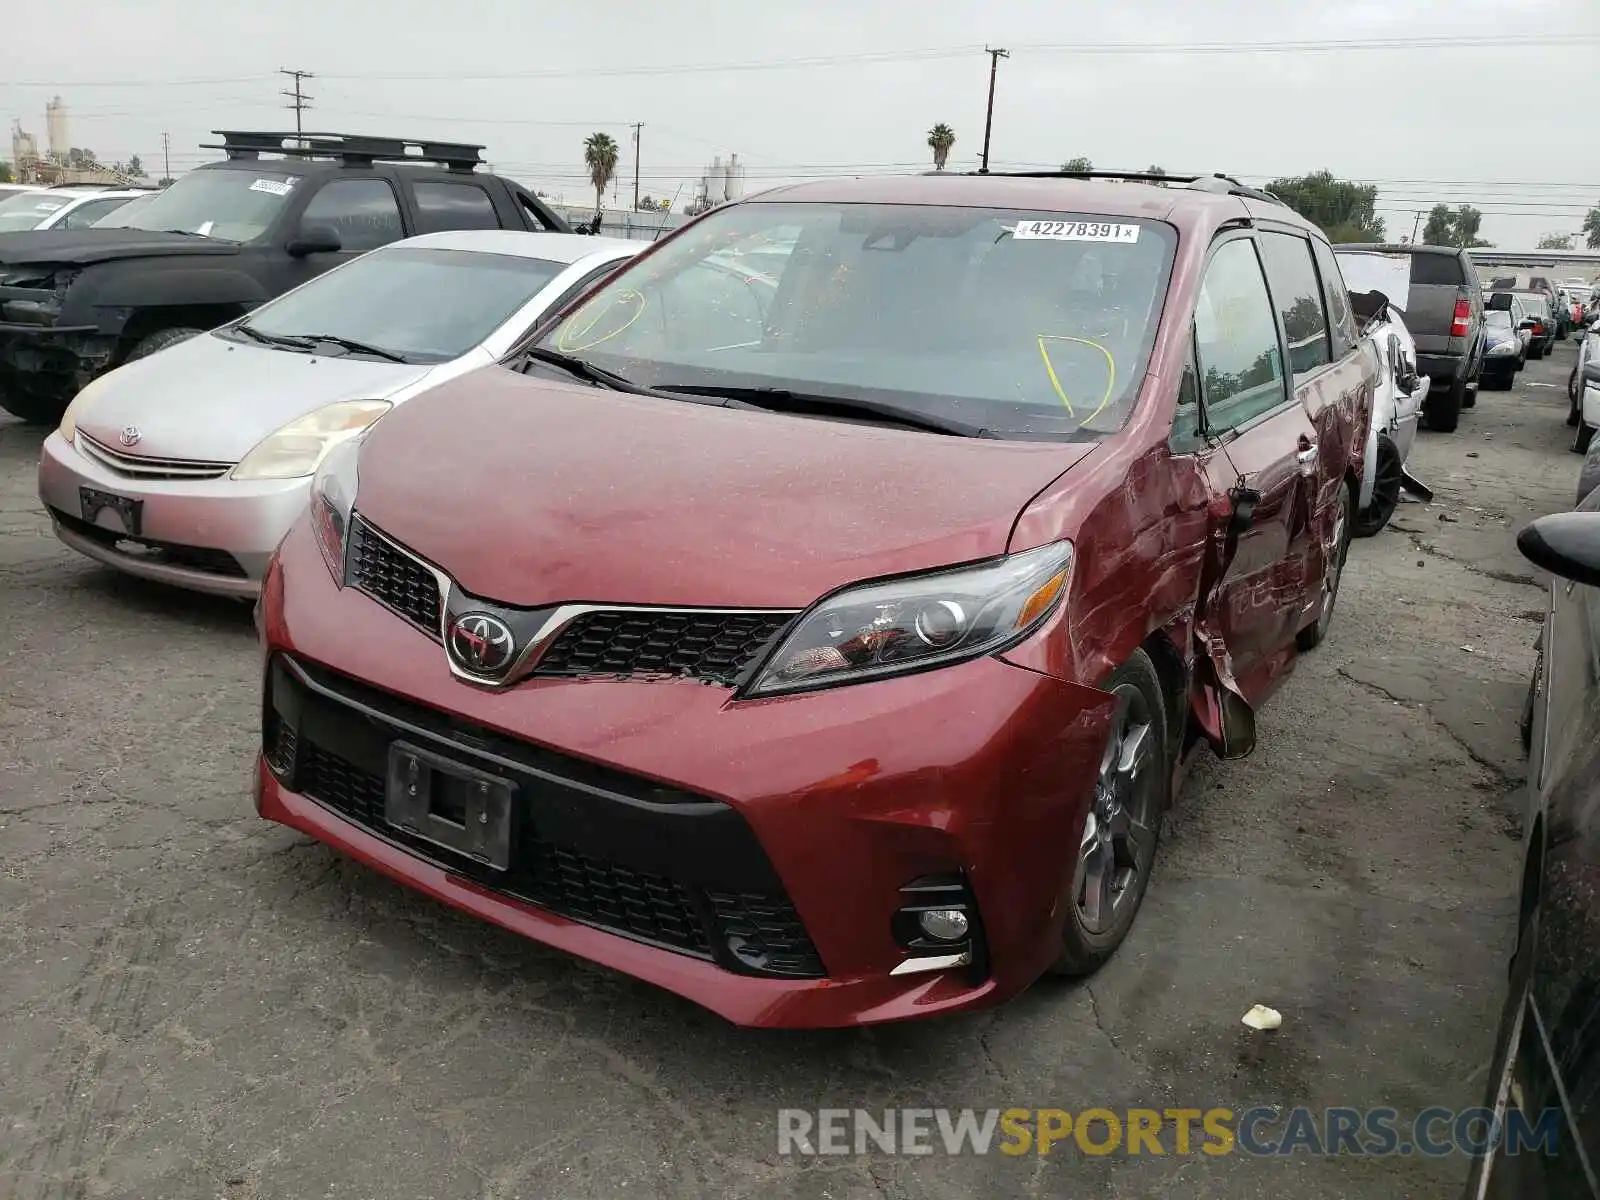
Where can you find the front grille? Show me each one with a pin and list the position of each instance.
(203, 559)
(765, 936)
(140, 466)
(621, 853)
(713, 646)
(393, 577)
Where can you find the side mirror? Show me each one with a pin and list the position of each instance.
(1565, 544)
(315, 239)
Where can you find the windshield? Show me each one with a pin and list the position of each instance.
(424, 305)
(28, 210)
(1497, 319)
(230, 205)
(1370, 271)
(124, 215)
(1535, 303)
(1012, 321)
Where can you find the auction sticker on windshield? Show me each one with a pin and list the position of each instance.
(272, 185)
(1076, 231)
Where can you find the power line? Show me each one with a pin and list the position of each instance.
(299, 100)
(1574, 39)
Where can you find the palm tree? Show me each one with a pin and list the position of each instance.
(940, 138)
(600, 156)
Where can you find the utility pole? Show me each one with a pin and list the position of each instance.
(166, 156)
(299, 101)
(638, 130)
(988, 119)
(1416, 225)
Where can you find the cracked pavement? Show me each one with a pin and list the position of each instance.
(194, 1003)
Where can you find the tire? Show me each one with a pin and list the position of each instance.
(35, 410)
(1386, 487)
(1117, 842)
(1525, 723)
(1469, 398)
(1536, 349)
(1314, 634)
(1572, 388)
(1574, 412)
(1580, 441)
(160, 340)
(1443, 409)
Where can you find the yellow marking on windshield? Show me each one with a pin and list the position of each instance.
(1055, 382)
(565, 342)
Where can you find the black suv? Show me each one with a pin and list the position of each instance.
(227, 237)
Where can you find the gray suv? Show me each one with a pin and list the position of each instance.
(1442, 307)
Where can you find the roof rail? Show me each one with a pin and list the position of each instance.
(82, 186)
(353, 149)
(1222, 184)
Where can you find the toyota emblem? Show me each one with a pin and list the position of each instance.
(481, 644)
(130, 435)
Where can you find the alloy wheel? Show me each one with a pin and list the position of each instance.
(1119, 834)
(1335, 569)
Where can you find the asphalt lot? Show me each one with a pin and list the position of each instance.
(194, 1003)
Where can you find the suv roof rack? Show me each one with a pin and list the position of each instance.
(1221, 184)
(352, 149)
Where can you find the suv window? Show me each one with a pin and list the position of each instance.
(1237, 339)
(1298, 295)
(442, 206)
(1337, 296)
(1438, 269)
(364, 211)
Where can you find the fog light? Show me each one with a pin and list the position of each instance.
(944, 924)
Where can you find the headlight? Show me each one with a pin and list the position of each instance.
(80, 402)
(296, 449)
(922, 621)
(1504, 348)
(333, 499)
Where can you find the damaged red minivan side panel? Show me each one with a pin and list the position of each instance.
(816, 618)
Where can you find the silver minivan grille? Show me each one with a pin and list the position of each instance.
(139, 466)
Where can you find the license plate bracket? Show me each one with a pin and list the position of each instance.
(450, 804)
(92, 502)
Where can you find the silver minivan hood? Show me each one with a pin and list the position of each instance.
(213, 399)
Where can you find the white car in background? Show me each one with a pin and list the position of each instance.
(188, 466)
(1396, 412)
(61, 208)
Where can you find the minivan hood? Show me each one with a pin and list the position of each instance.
(81, 246)
(530, 492)
(212, 399)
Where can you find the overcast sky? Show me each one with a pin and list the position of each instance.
(1508, 129)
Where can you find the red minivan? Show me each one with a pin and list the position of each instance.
(816, 618)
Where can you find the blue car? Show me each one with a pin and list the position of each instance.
(1505, 349)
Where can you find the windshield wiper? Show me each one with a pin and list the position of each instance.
(585, 370)
(270, 339)
(811, 403)
(344, 343)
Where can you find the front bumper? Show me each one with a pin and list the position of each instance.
(208, 535)
(828, 805)
(52, 362)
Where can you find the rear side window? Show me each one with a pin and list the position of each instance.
(1337, 295)
(1236, 339)
(1438, 269)
(364, 211)
(1298, 296)
(442, 206)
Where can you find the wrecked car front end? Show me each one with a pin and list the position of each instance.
(50, 345)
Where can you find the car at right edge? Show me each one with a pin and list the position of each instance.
(828, 652)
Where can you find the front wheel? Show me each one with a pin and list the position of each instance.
(1116, 844)
(160, 340)
(1580, 443)
(1387, 482)
(1315, 634)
